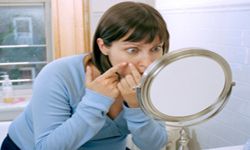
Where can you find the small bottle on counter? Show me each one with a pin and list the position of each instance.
(7, 89)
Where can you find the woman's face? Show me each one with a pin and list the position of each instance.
(140, 54)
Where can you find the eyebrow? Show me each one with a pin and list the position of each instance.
(126, 43)
(160, 44)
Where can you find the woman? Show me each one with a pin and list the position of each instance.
(88, 101)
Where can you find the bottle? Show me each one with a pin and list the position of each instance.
(7, 88)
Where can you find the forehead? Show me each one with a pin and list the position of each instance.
(144, 41)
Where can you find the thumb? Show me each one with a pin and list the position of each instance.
(88, 77)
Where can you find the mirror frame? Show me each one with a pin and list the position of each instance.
(143, 89)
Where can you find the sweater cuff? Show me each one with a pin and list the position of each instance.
(135, 114)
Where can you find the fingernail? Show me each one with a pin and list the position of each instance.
(88, 67)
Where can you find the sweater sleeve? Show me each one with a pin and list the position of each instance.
(147, 133)
(55, 126)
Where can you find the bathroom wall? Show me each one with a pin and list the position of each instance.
(222, 26)
(97, 8)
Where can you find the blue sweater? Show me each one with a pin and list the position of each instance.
(64, 115)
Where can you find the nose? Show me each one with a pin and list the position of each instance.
(145, 61)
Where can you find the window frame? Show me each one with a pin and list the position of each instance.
(48, 33)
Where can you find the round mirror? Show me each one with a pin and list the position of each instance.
(185, 87)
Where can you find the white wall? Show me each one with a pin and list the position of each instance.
(97, 8)
(224, 27)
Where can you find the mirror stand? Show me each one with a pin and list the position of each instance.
(182, 142)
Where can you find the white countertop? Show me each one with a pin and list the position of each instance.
(13, 106)
(9, 111)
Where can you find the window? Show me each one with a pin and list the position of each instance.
(25, 40)
(23, 31)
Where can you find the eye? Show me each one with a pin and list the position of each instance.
(132, 50)
(157, 49)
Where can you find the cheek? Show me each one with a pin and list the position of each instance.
(116, 56)
(158, 55)
(117, 59)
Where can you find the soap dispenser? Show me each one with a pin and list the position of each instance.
(7, 89)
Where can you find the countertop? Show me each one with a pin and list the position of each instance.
(238, 147)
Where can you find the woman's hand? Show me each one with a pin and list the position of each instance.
(105, 84)
(127, 86)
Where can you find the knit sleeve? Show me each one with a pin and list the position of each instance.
(55, 126)
(147, 133)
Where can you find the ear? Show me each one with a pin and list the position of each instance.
(103, 48)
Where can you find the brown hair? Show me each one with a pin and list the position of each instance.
(144, 21)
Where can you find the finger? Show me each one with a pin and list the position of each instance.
(120, 87)
(135, 73)
(112, 80)
(88, 77)
(131, 81)
(113, 71)
(116, 76)
(124, 84)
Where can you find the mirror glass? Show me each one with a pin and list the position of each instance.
(185, 87)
